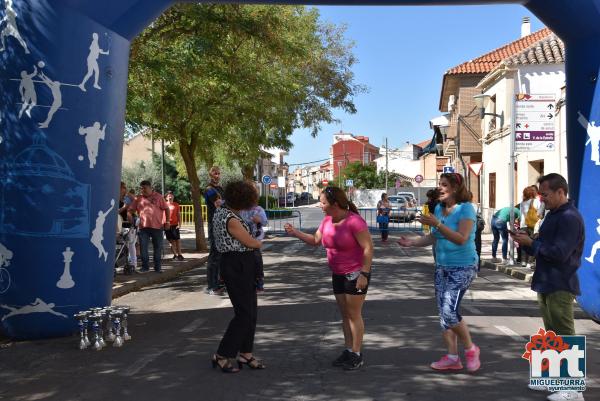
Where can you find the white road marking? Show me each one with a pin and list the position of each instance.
(141, 363)
(515, 336)
(190, 328)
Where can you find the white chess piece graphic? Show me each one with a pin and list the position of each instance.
(5, 256)
(37, 306)
(27, 91)
(92, 63)
(98, 233)
(595, 247)
(593, 132)
(56, 94)
(93, 135)
(66, 280)
(11, 27)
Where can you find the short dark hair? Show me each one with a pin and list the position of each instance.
(555, 181)
(145, 183)
(241, 195)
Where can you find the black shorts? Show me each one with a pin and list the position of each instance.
(172, 234)
(346, 284)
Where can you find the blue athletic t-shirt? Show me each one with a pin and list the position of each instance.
(447, 253)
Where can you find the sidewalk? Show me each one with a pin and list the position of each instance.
(516, 271)
(124, 284)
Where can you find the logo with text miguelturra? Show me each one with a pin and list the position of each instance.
(556, 362)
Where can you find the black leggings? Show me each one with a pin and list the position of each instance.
(238, 270)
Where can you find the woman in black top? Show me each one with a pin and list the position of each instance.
(238, 268)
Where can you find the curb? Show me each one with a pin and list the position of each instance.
(141, 280)
(513, 271)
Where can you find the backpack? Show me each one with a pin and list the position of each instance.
(532, 217)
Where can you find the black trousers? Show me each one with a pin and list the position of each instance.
(238, 270)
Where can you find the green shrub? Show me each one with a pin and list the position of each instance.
(273, 203)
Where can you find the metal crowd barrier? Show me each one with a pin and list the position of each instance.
(401, 219)
(277, 218)
(187, 214)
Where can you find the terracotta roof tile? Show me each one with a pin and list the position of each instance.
(424, 143)
(548, 50)
(487, 62)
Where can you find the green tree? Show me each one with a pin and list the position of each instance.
(230, 79)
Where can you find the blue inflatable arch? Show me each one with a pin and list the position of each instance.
(64, 84)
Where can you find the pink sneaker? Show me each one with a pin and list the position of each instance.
(446, 364)
(472, 357)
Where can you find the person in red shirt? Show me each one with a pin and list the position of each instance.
(154, 216)
(172, 233)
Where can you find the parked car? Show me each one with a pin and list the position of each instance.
(305, 197)
(410, 197)
(288, 200)
(401, 209)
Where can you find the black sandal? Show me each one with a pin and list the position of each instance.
(225, 367)
(251, 362)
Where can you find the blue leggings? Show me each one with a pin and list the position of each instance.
(451, 283)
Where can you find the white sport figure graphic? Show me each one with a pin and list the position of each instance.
(27, 91)
(56, 94)
(5, 256)
(11, 27)
(66, 280)
(593, 132)
(92, 63)
(595, 247)
(93, 135)
(98, 233)
(37, 306)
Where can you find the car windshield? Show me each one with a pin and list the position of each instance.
(397, 199)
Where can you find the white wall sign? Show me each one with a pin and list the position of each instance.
(281, 182)
(534, 123)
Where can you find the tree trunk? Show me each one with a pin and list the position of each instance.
(187, 153)
(248, 172)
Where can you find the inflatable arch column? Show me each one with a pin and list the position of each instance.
(64, 83)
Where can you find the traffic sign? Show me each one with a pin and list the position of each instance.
(534, 122)
(273, 186)
(418, 178)
(266, 179)
(398, 183)
(349, 183)
(325, 182)
(448, 169)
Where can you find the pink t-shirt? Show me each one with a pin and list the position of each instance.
(151, 210)
(344, 253)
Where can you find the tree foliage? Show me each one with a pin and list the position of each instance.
(367, 177)
(232, 79)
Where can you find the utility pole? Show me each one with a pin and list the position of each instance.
(511, 177)
(162, 165)
(386, 165)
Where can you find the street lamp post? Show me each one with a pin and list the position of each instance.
(339, 163)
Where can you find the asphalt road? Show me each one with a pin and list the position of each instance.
(176, 328)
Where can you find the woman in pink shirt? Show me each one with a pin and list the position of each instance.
(345, 236)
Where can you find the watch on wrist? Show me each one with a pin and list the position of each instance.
(366, 274)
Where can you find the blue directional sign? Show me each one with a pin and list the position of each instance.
(349, 183)
(266, 179)
(448, 169)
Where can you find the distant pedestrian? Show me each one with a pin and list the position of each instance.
(154, 217)
(558, 250)
(172, 234)
(345, 236)
(212, 194)
(499, 222)
(383, 216)
(233, 240)
(532, 210)
(453, 233)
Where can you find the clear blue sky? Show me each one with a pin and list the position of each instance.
(402, 54)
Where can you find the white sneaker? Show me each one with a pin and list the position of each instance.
(537, 388)
(523, 264)
(565, 395)
(529, 266)
(505, 262)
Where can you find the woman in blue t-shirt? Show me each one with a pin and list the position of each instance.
(453, 235)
